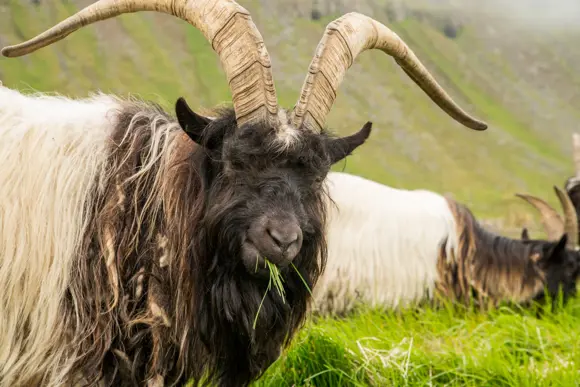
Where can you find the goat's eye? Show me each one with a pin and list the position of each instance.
(297, 164)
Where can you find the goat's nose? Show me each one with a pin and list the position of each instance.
(283, 238)
(284, 235)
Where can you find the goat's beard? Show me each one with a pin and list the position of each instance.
(229, 297)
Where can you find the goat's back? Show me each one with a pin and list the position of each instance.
(383, 244)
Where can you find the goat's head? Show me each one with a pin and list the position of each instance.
(265, 185)
(559, 267)
(559, 258)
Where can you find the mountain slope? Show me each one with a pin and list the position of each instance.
(521, 80)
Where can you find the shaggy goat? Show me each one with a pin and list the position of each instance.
(130, 253)
(389, 247)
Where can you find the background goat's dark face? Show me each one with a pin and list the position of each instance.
(573, 190)
(561, 268)
(266, 192)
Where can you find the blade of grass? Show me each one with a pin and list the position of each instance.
(300, 275)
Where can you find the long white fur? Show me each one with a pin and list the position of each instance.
(383, 244)
(51, 152)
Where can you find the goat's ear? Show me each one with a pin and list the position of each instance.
(562, 243)
(525, 235)
(555, 253)
(192, 123)
(341, 147)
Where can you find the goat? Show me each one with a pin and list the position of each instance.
(133, 241)
(390, 248)
(494, 268)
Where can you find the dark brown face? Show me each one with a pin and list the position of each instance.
(573, 190)
(561, 267)
(279, 194)
(563, 275)
(266, 195)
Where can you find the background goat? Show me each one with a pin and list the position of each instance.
(390, 247)
(130, 253)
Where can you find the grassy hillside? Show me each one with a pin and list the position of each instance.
(523, 81)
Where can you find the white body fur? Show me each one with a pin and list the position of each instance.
(51, 152)
(383, 244)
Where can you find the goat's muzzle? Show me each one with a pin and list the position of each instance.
(275, 238)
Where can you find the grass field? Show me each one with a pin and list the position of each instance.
(523, 81)
(426, 347)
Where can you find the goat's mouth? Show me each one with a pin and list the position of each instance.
(271, 240)
(254, 260)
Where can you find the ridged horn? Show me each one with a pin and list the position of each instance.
(344, 39)
(224, 23)
(551, 220)
(570, 218)
(576, 154)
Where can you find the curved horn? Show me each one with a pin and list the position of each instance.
(576, 154)
(225, 24)
(344, 39)
(551, 220)
(570, 218)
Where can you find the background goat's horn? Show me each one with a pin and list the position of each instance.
(576, 152)
(551, 221)
(570, 218)
(224, 23)
(344, 39)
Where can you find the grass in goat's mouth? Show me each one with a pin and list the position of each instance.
(277, 280)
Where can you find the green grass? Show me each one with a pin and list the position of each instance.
(276, 281)
(447, 346)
